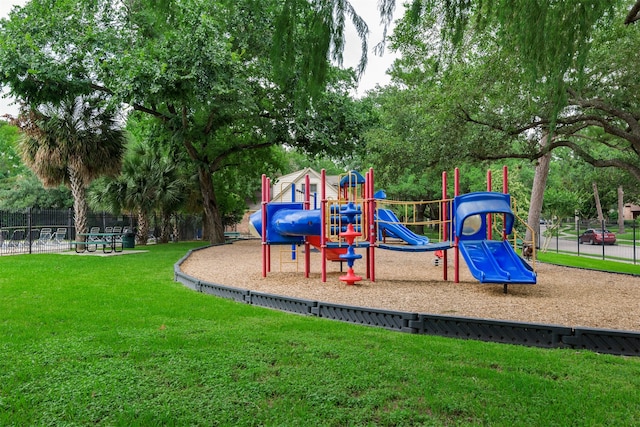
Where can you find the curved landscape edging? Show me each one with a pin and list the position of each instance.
(623, 343)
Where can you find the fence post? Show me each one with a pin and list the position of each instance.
(578, 236)
(633, 225)
(602, 229)
(29, 226)
(72, 231)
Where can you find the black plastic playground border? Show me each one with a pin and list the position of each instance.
(622, 343)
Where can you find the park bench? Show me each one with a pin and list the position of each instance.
(232, 235)
(110, 242)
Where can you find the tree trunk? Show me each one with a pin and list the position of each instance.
(598, 205)
(176, 228)
(205, 227)
(143, 228)
(537, 192)
(78, 191)
(620, 210)
(420, 210)
(165, 227)
(212, 217)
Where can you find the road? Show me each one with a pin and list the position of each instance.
(623, 250)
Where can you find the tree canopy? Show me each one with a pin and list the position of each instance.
(223, 77)
(72, 143)
(483, 81)
(19, 187)
(478, 102)
(229, 80)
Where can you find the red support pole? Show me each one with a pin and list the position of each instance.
(323, 223)
(505, 190)
(263, 234)
(372, 227)
(307, 246)
(365, 222)
(268, 199)
(456, 249)
(444, 215)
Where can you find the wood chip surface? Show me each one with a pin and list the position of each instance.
(409, 282)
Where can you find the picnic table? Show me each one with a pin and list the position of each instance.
(110, 242)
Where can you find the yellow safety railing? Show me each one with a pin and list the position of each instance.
(335, 220)
(419, 213)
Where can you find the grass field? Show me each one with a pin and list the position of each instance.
(114, 341)
(588, 262)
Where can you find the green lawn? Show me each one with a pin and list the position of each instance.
(114, 341)
(590, 262)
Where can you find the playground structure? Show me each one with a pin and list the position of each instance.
(363, 219)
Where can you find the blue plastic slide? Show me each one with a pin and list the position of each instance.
(493, 261)
(389, 222)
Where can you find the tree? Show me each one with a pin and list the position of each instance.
(574, 61)
(509, 93)
(223, 77)
(26, 191)
(548, 39)
(19, 187)
(537, 191)
(151, 182)
(72, 143)
(10, 164)
(295, 160)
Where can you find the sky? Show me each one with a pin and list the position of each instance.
(5, 8)
(374, 74)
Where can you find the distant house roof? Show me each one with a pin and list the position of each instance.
(332, 180)
(281, 186)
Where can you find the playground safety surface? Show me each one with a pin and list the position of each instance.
(410, 282)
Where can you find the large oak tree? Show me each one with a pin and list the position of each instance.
(224, 77)
(492, 85)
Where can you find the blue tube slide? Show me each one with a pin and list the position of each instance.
(286, 223)
(297, 222)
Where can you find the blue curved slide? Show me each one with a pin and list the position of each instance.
(493, 261)
(389, 222)
(489, 261)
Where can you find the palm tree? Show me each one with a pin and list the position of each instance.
(172, 195)
(150, 183)
(72, 143)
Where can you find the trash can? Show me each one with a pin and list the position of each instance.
(129, 240)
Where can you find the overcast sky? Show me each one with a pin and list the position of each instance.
(367, 9)
(377, 66)
(5, 8)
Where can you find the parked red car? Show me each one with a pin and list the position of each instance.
(594, 237)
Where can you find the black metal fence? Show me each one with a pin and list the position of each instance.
(51, 230)
(567, 240)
